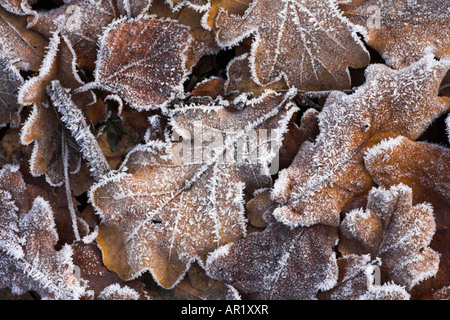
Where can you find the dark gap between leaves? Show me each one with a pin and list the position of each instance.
(47, 5)
(435, 133)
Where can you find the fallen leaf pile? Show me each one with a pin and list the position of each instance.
(216, 149)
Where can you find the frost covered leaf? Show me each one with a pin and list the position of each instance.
(392, 229)
(163, 212)
(133, 8)
(278, 263)
(28, 260)
(203, 41)
(151, 221)
(20, 7)
(239, 78)
(25, 47)
(420, 165)
(88, 258)
(116, 292)
(143, 60)
(424, 168)
(10, 81)
(43, 125)
(356, 282)
(328, 173)
(82, 22)
(231, 6)
(199, 5)
(309, 43)
(246, 132)
(403, 31)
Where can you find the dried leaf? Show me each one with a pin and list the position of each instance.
(231, 6)
(142, 60)
(239, 78)
(24, 47)
(179, 211)
(392, 229)
(43, 126)
(327, 174)
(10, 81)
(28, 260)
(424, 168)
(104, 284)
(296, 34)
(356, 279)
(81, 22)
(133, 8)
(199, 5)
(278, 263)
(203, 41)
(420, 165)
(19, 7)
(403, 31)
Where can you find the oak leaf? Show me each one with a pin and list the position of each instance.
(421, 166)
(160, 213)
(102, 283)
(403, 31)
(424, 168)
(142, 60)
(28, 260)
(133, 8)
(328, 173)
(19, 7)
(296, 35)
(356, 282)
(279, 262)
(43, 126)
(395, 231)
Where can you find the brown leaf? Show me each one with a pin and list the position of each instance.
(19, 44)
(355, 282)
(43, 126)
(327, 174)
(10, 81)
(179, 211)
(231, 6)
(296, 34)
(142, 60)
(81, 22)
(296, 136)
(392, 229)
(240, 79)
(278, 263)
(28, 260)
(424, 168)
(403, 31)
(203, 41)
(88, 258)
(19, 7)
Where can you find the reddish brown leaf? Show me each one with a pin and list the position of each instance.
(142, 60)
(327, 174)
(278, 263)
(296, 34)
(403, 31)
(397, 232)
